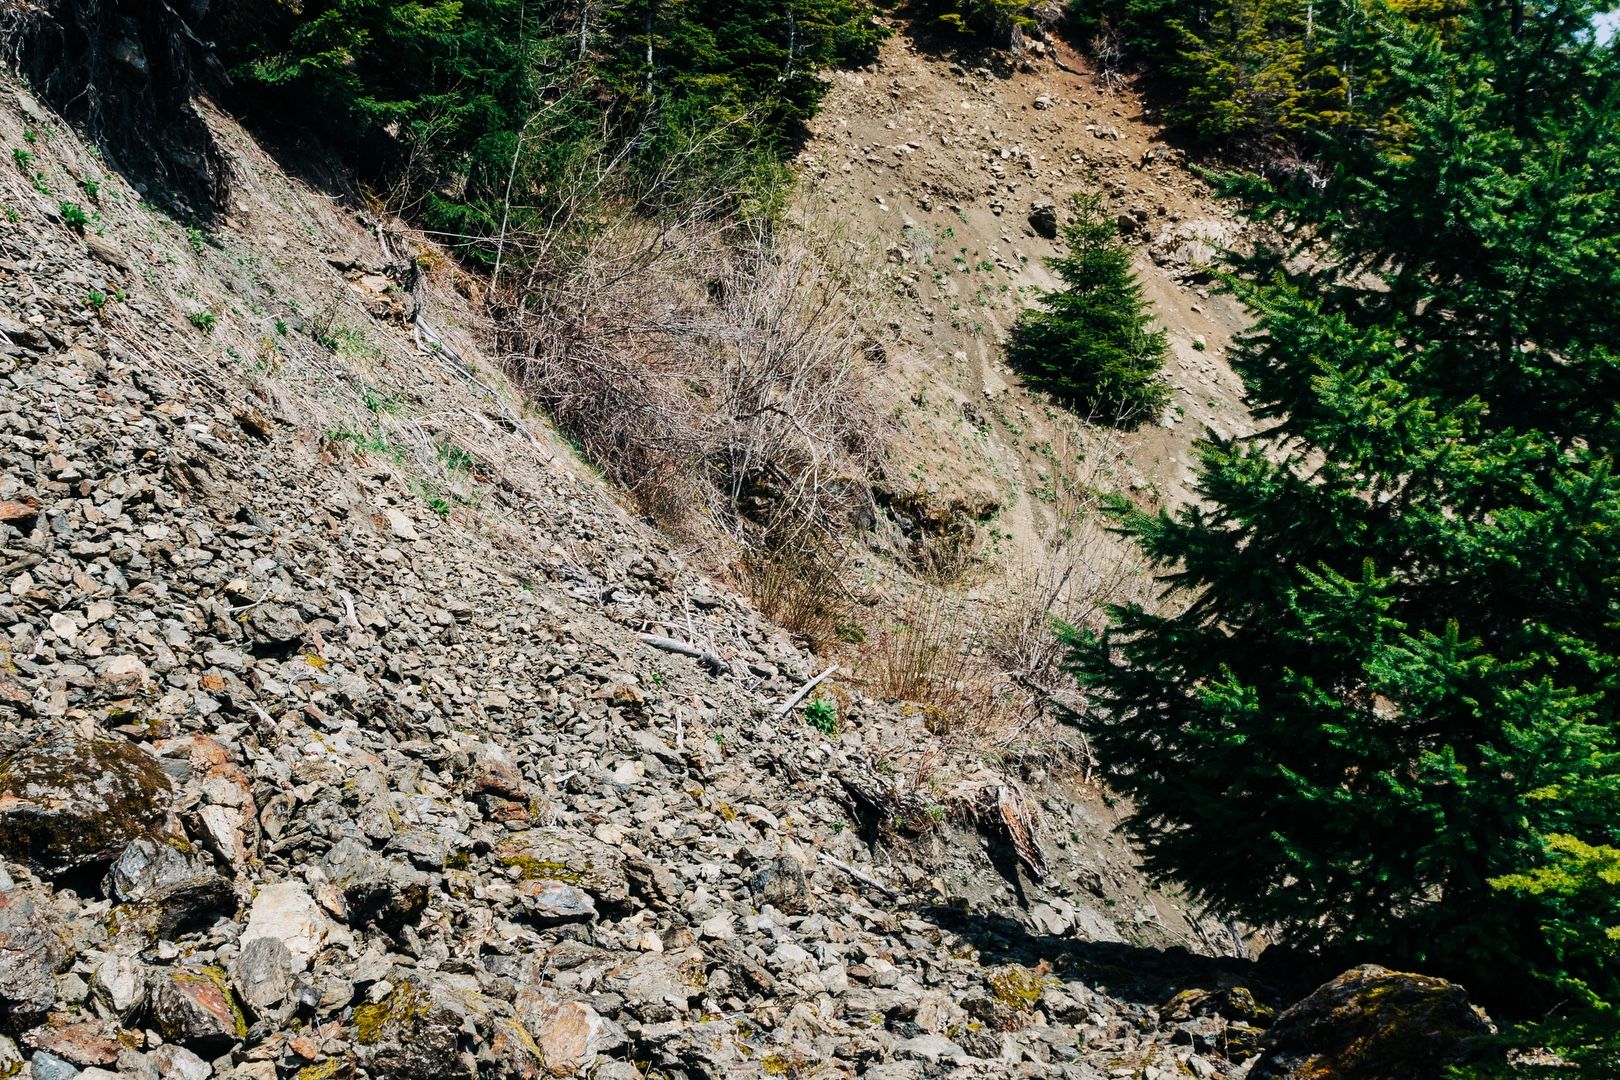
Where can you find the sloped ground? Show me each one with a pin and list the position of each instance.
(425, 801)
(935, 161)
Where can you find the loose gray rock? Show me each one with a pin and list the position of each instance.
(570, 857)
(178, 891)
(32, 951)
(376, 889)
(419, 1031)
(262, 973)
(1043, 218)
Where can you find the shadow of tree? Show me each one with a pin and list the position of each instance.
(1134, 973)
(124, 73)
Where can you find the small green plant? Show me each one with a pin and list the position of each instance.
(73, 216)
(281, 327)
(822, 715)
(11, 215)
(379, 402)
(23, 158)
(203, 320)
(352, 344)
(195, 237)
(455, 459)
(370, 443)
(95, 299)
(30, 136)
(92, 188)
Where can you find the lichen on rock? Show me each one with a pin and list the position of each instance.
(67, 803)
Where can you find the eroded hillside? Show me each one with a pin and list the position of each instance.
(350, 726)
(955, 168)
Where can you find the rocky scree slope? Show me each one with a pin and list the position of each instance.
(332, 742)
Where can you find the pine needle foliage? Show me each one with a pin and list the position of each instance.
(463, 106)
(1093, 343)
(1379, 709)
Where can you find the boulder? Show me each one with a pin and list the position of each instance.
(118, 987)
(195, 1008)
(570, 1034)
(1043, 218)
(658, 987)
(68, 803)
(781, 884)
(1373, 1024)
(553, 903)
(376, 890)
(178, 1063)
(84, 1044)
(262, 972)
(416, 1032)
(287, 912)
(31, 953)
(1191, 247)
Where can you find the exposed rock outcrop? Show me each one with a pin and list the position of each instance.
(1373, 1024)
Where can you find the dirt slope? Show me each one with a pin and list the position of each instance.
(332, 742)
(934, 160)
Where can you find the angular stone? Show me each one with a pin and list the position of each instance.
(83, 1044)
(262, 972)
(1373, 1024)
(66, 803)
(781, 884)
(571, 1035)
(493, 772)
(287, 912)
(195, 1008)
(552, 903)
(657, 987)
(570, 857)
(177, 891)
(178, 1063)
(118, 986)
(930, 1048)
(416, 1032)
(377, 890)
(1043, 218)
(47, 1066)
(31, 953)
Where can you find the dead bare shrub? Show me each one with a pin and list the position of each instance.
(926, 655)
(1084, 567)
(706, 359)
(801, 587)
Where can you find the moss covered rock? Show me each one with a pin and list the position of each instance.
(195, 1008)
(571, 857)
(422, 1030)
(1373, 1024)
(68, 803)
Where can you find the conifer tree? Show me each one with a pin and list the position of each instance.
(1385, 686)
(1093, 342)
